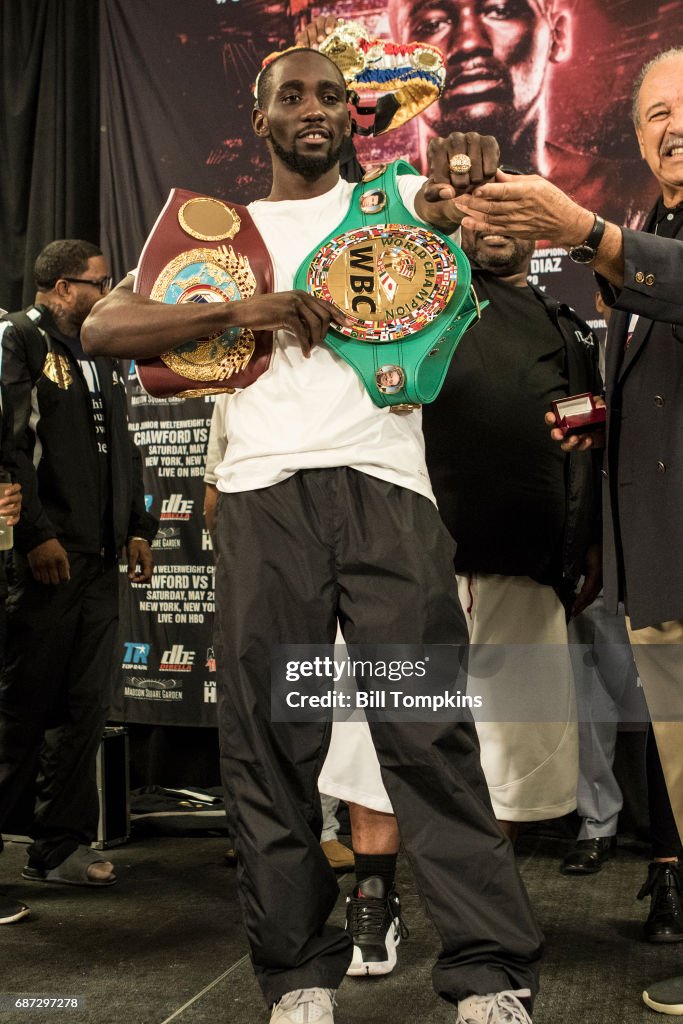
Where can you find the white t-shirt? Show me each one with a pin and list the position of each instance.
(218, 442)
(314, 413)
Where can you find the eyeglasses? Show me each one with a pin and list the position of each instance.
(103, 283)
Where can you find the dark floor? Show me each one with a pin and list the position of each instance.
(165, 944)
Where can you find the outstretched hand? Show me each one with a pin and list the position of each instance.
(525, 206)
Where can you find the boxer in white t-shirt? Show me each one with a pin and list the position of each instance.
(326, 513)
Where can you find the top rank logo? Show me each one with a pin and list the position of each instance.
(177, 508)
(135, 655)
(177, 660)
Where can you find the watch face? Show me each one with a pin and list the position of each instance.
(582, 254)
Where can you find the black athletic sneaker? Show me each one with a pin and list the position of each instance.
(373, 918)
(11, 910)
(666, 996)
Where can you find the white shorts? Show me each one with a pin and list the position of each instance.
(531, 767)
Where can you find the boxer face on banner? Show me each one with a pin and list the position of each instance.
(301, 111)
(497, 55)
(660, 125)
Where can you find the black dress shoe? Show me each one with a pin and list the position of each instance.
(665, 887)
(588, 855)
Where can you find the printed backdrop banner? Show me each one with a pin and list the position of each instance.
(167, 660)
(552, 81)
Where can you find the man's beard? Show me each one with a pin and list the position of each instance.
(495, 261)
(509, 262)
(309, 167)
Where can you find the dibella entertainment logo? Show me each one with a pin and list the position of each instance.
(177, 660)
(177, 508)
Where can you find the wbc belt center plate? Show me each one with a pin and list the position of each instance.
(208, 275)
(391, 280)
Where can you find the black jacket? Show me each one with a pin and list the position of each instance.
(7, 449)
(643, 485)
(57, 459)
(582, 528)
(583, 524)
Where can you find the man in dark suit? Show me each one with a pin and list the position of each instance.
(640, 276)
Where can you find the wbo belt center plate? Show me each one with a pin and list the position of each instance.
(208, 275)
(390, 279)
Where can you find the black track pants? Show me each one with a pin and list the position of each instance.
(292, 558)
(54, 696)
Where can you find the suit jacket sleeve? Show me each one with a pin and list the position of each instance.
(18, 378)
(141, 523)
(8, 455)
(653, 272)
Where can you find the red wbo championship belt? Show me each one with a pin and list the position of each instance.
(205, 250)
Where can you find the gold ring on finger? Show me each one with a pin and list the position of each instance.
(460, 163)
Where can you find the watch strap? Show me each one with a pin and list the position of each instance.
(596, 233)
(587, 251)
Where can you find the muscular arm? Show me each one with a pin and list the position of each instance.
(130, 326)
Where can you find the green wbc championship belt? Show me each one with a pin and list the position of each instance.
(406, 287)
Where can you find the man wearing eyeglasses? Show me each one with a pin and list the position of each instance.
(83, 505)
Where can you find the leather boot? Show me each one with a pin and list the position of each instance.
(664, 885)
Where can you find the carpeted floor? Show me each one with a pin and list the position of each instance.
(165, 944)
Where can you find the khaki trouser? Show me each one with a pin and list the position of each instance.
(658, 652)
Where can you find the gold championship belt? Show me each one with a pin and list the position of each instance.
(388, 83)
(205, 250)
(405, 287)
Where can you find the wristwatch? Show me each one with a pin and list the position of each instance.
(588, 250)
